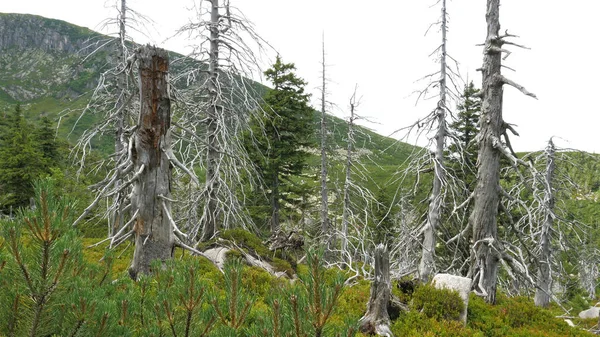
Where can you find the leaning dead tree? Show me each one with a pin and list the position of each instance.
(487, 249)
(377, 320)
(217, 103)
(153, 228)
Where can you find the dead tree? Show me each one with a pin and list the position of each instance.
(427, 264)
(487, 249)
(544, 275)
(215, 109)
(377, 320)
(115, 99)
(325, 230)
(120, 121)
(153, 229)
(217, 103)
(348, 177)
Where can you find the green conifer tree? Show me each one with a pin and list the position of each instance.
(279, 149)
(47, 144)
(465, 129)
(20, 162)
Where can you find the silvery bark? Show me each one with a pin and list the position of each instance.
(215, 109)
(346, 210)
(543, 293)
(154, 239)
(427, 264)
(324, 194)
(485, 210)
(119, 199)
(377, 320)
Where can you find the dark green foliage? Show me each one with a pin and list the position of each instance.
(437, 303)
(278, 142)
(465, 129)
(47, 145)
(20, 162)
(383, 212)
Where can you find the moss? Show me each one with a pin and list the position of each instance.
(282, 266)
(246, 240)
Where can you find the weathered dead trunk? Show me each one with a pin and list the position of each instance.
(346, 210)
(119, 199)
(154, 238)
(324, 193)
(376, 320)
(215, 110)
(543, 293)
(427, 264)
(485, 209)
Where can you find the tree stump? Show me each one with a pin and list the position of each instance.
(376, 320)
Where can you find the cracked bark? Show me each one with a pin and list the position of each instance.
(154, 238)
(485, 209)
(377, 320)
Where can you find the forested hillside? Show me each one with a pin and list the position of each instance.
(148, 193)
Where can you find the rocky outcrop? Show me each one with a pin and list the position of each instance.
(593, 312)
(458, 283)
(25, 31)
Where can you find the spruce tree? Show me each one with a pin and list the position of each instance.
(465, 129)
(47, 144)
(20, 162)
(279, 151)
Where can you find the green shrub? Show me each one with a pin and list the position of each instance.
(437, 303)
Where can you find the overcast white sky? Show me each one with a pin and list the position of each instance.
(381, 46)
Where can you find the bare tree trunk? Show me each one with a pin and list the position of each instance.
(324, 194)
(346, 210)
(543, 293)
(485, 209)
(154, 239)
(427, 264)
(215, 109)
(376, 320)
(121, 155)
(487, 249)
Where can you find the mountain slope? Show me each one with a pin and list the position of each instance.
(44, 66)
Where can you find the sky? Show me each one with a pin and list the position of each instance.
(382, 47)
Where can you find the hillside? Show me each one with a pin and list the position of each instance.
(44, 66)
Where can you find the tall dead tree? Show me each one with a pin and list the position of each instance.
(217, 103)
(215, 109)
(488, 250)
(427, 264)
(325, 231)
(120, 122)
(115, 99)
(153, 229)
(348, 177)
(544, 275)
